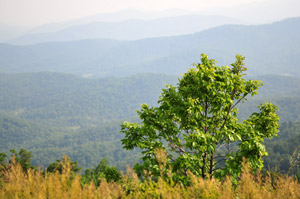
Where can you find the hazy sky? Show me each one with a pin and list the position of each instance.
(35, 12)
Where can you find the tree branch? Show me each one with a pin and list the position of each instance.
(216, 163)
(220, 146)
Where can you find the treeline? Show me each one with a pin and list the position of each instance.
(23, 160)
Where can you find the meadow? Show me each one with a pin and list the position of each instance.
(17, 184)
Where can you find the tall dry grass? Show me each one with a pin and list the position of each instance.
(36, 184)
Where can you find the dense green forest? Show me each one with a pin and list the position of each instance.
(75, 101)
(52, 114)
(48, 143)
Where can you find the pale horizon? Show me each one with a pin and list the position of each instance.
(37, 12)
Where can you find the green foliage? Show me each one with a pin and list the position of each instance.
(58, 165)
(23, 157)
(2, 158)
(196, 124)
(101, 171)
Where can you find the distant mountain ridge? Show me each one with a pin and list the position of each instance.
(8, 32)
(130, 29)
(117, 16)
(269, 49)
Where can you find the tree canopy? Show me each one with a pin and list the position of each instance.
(196, 124)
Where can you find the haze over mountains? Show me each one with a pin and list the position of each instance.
(269, 49)
(133, 24)
(130, 29)
(256, 12)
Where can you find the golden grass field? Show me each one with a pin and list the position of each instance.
(34, 184)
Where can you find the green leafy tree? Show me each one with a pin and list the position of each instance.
(197, 127)
(101, 171)
(2, 158)
(23, 157)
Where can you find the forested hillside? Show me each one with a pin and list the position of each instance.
(284, 151)
(52, 114)
(48, 142)
(75, 101)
